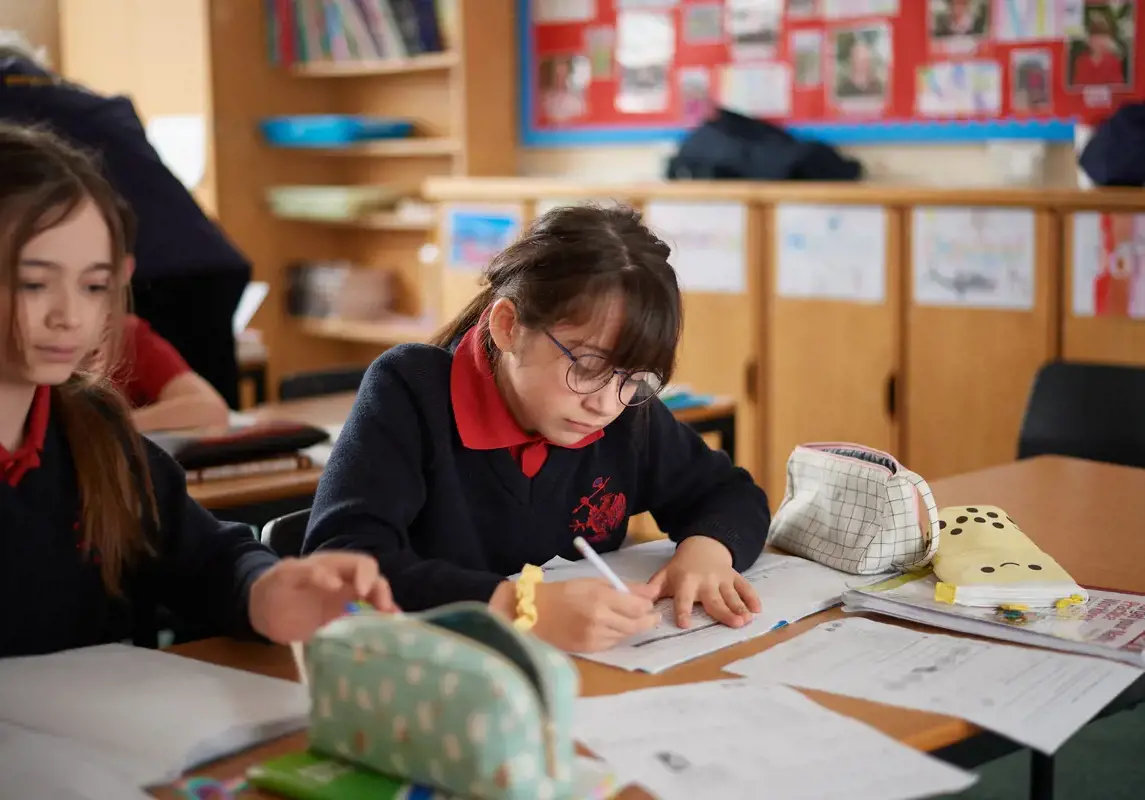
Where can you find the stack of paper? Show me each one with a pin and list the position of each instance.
(1108, 625)
(142, 716)
(1035, 697)
(789, 589)
(736, 739)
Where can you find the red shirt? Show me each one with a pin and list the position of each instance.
(13, 465)
(1090, 70)
(149, 363)
(484, 422)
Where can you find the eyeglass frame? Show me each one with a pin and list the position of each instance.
(624, 375)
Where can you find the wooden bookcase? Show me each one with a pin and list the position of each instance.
(464, 103)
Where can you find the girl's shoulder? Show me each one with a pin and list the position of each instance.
(419, 371)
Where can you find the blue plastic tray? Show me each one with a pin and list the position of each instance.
(331, 130)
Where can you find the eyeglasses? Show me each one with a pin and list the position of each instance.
(588, 373)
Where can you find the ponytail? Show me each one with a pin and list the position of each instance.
(468, 317)
(117, 501)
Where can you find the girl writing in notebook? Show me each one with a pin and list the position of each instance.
(96, 527)
(532, 420)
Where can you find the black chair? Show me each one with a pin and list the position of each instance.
(284, 535)
(1086, 410)
(320, 382)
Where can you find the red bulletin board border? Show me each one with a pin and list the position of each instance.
(812, 110)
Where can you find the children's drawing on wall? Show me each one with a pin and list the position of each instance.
(704, 23)
(1109, 265)
(600, 44)
(974, 257)
(1036, 20)
(802, 9)
(1103, 55)
(562, 11)
(806, 49)
(857, 9)
(1030, 79)
(753, 27)
(695, 94)
(477, 234)
(862, 64)
(831, 252)
(959, 89)
(954, 24)
(756, 90)
(563, 82)
(645, 47)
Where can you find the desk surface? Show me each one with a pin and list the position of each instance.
(331, 411)
(1087, 515)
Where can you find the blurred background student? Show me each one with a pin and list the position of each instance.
(189, 277)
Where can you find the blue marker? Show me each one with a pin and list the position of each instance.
(781, 624)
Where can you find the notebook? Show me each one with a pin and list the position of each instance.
(152, 715)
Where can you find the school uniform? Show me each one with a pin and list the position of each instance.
(189, 277)
(50, 586)
(147, 364)
(432, 475)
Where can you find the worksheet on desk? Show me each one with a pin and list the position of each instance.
(789, 588)
(1038, 698)
(738, 739)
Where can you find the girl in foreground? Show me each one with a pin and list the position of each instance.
(96, 527)
(533, 420)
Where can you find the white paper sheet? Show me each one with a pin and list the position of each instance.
(181, 141)
(831, 252)
(1108, 263)
(561, 11)
(789, 589)
(707, 241)
(1037, 698)
(974, 257)
(158, 709)
(730, 739)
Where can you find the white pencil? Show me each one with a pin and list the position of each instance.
(586, 550)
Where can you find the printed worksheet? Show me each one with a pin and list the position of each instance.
(1038, 698)
(831, 252)
(730, 739)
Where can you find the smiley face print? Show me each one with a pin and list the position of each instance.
(983, 545)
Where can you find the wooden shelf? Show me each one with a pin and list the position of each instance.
(430, 62)
(389, 332)
(389, 148)
(382, 221)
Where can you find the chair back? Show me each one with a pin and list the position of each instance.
(320, 382)
(1086, 410)
(284, 535)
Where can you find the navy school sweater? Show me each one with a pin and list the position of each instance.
(448, 523)
(51, 592)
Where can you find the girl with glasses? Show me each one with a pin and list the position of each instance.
(531, 420)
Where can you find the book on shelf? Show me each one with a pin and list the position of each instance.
(309, 31)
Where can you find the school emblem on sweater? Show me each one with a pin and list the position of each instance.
(600, 512)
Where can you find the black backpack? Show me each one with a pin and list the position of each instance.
(731, 146)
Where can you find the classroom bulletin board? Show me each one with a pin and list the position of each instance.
(845, 71)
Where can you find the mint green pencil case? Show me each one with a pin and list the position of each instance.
(454, 697)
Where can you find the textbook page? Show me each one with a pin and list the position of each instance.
(1038, 698)
(789, 588)
(157, 709)
(40, 765)
(739, 739)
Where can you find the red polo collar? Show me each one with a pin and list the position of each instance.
(26, 457)
(484, 421)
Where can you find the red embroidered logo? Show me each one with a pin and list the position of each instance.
(604, 515)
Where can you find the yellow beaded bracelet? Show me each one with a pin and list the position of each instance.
(526, 597)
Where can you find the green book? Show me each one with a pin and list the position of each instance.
(309, 776)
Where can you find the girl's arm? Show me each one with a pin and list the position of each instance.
(186, 401)
(373, 488)
(203, 568)
(693, 490)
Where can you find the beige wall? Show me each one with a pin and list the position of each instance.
(949, 165)
(37, 19)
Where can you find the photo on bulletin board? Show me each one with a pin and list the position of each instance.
(476, 234)
(841, 71)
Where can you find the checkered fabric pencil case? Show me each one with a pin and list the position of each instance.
(856, 510)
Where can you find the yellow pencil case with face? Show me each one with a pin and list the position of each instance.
(984, 559)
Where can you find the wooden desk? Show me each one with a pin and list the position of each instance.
(332, 411)
(1087, 515)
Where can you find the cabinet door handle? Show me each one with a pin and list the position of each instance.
(892, 395)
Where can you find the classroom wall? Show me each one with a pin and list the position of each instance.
(946, 165)
(37, 19)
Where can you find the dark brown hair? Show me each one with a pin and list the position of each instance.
(43, 181)
(571, 259)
